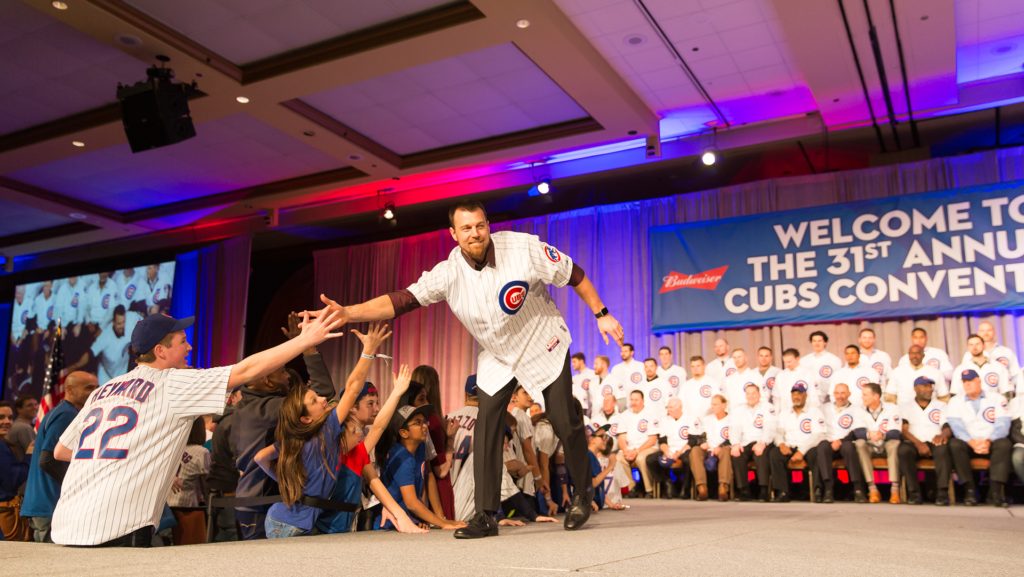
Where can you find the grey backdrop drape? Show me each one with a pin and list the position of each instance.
(610, 243)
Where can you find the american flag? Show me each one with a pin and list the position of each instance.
(52, 377)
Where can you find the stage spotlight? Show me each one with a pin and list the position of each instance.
(540, 189)
(389, 211)
(710, 157)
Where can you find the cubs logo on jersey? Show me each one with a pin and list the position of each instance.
(642, 426)
(730, 371)
(879, 368)
(684, 432)
(49, 312)
(845, 421)
(636, 378)
(585, 384)
(705, 391)
(725, 433)
(105, 302)
(606, 390)
(992, 379)
(770, 383)
(74, 300)
(934, 363)
(825, 371)
(861, 382)
(989, 415)
(129, 292)
(512, 296)
(674, 381)
(883, 427)
(552, 253)
(1004, 361)
(655, 394)
(934, 416)
(805, 426)
(24, 316)
(759, 421)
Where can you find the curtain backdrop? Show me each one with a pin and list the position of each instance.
(212, 283)
(610, 243)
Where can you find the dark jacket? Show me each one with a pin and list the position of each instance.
(223, 475)
(253, 426)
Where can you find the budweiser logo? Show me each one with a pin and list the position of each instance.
(707, 280)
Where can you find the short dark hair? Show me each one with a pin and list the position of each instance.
(818, 334)
(630, 345)
(8, 405)
(763, 348)
(637, 392)
(848, 347)
(651, 359)
(875, 388)
(580, 357)
(866, 330)
(22, 399)
(696, 358)
(119, 310)
(665, 349)
(468, 206)
(197, 434)
(791, 352)
(919, 330)
(974, 336)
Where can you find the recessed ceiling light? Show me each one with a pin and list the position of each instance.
(77, 215)
(522, 23)
(77, 143)
(129, 40)
(308, 133)
(354, 157)
(59, 5)
(1004, 48)
(635, 39)
(242, 99)
(924, 17)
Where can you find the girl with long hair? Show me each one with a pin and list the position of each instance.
(439, 485)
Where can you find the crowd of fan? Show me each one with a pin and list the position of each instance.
(291, 456)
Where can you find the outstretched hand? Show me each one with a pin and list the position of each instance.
(292, 329)
(319, 329)
(332, 307)
(402, 379)
(378, 333)
(610, 327)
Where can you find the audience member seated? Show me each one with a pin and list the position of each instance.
(13, 472)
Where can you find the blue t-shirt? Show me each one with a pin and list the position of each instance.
(403, 468)
(42, 490)
(348, 488)
(320, 459)
(13, 472)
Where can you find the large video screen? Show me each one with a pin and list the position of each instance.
(97, 313)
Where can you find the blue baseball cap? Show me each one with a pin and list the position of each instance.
(152, 329)
(368, 389)
(923, 381)
(969, 375)
(798, 388)
(471, 385)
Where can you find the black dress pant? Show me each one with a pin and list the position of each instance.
(741, 465)
(490, 430)
(848, 452)
(820, 467)
(908, 458)
(999, 460)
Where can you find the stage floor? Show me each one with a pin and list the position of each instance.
(654, 538)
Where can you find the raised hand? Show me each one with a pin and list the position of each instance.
(319, 329)
(292, 329)
(378, 333)
(610, 327)
(453, 427)
(403, 378)
(332, 307)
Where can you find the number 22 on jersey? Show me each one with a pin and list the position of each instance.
(120, 420)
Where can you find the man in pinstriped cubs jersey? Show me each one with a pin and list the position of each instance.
(495, 285)
(125, 442)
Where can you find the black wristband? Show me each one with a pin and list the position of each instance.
(601, 313)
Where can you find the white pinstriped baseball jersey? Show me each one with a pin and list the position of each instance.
(507, 309)
(127, 441)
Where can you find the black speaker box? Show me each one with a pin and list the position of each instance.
(155, 114)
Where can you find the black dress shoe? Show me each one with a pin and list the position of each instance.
(781, 498)
(914, 499)
(579, 511)
(480, 526)
(859, 496)
(828, 497)
(970, 499)
(942, 500)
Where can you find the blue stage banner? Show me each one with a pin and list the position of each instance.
(922, 254)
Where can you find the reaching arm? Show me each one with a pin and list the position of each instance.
(402, 521)
(607, 324)
(51, 466)
(265, 459)
(376, 309)
(421, 511)
(314, 331)
(377, 334)
(380, 424)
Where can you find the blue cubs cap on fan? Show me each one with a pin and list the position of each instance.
(152, 329)
(368, 389)
(471, 385)
(798, 388)
(969, 375)
(922, 381)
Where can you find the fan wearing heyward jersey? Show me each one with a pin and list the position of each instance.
(735, 385)
(656, 390)
(638, 437)
(752, 433)
(698, 389)
(981, 426)
(766, 371)
(497, 286)
(794, 374)
(933, 357)
(801, 436)
(583, 379)
(125, 442)
(840, 420)
(722, 365)
(854, 375)
(821, 364)
(672, 373)
(870, 357)
(877, 431)
(925, 436)
(626, 375)
(673, 444)
(901, 388)
(994, 376)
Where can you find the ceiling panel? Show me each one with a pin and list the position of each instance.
(247, 30)
(989, 39)
(51, 70)
(233, 152)
(489, 92)
(19, 218)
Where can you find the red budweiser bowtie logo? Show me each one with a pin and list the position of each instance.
(707, 280)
